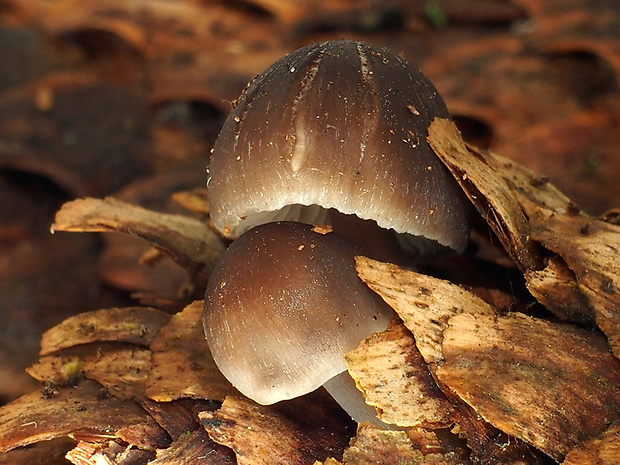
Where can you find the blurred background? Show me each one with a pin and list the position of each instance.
(126, 97)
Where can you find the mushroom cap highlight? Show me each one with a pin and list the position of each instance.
(339, 124)
(282, 308)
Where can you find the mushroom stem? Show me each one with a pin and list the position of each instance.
(343, 389)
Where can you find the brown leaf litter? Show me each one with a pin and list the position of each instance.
(459, 380)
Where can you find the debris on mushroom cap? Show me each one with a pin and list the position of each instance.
(283, 307)
(343, 125)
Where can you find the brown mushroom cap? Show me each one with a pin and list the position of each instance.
(282, 308)
(343, 125)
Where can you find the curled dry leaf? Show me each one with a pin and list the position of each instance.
(188, 241)
(501, 190)
(425, 304)
(182, 365)
(551, 385)
(395, 379)
(137, 325)
(82, 412)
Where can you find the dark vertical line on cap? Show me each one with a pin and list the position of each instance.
(297, 137)
(370, 119)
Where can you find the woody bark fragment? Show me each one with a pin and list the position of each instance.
(487, 190)
(297, 432)
(81, 412)
(188, 241)
(136, 325)
(550, 385)
(527, 212)
(416, 446)
(591, 249)
(425, 304)
(602, 450)
(395, 380)
(182, 365)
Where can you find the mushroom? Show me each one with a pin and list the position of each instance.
(337, 128)
(282, 308)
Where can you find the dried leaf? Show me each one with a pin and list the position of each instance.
(81, 412)
(188, 241)
(138, 325)
(394, 379)
(425, 304)
(122, 370)
(373, 445)
(182, 365)
(551, 385)
(526, 186)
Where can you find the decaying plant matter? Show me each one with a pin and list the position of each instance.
(475, 369)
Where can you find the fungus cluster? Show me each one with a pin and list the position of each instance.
(334, 133)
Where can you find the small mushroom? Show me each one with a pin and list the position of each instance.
(338, 126)
(282, 308)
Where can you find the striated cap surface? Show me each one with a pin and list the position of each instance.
(339, 124)
(283, 307)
